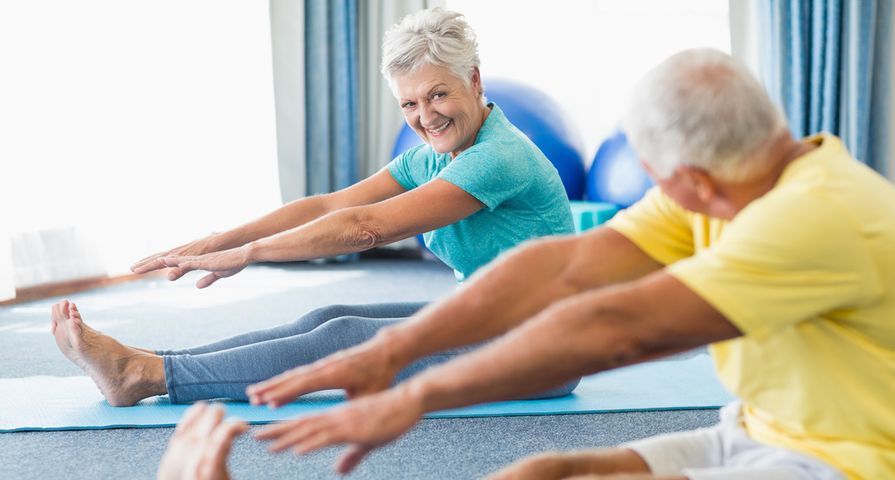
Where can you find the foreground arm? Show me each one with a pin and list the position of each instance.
(200, 446)
(512, 289)
(587, 333)
(374, 189)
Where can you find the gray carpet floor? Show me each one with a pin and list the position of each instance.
(155, 313)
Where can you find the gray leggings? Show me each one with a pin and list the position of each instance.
(224, 369)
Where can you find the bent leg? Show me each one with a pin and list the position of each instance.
(305, 324)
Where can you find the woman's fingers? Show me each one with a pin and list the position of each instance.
(148, 264)
(208, 280)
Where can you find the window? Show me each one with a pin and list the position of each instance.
(587, 54)
(133, 126)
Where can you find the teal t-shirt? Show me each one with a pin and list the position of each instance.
(521, 190)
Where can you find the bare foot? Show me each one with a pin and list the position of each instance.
(123, 374)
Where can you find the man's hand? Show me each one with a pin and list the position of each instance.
(577, 464)
(546, 466)
(200, 445)
(360, 370)
(221, 264)
(364, 424)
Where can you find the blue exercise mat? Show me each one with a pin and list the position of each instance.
(74, 403)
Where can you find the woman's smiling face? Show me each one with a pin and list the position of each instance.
(440, 107)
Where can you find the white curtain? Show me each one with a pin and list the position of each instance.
(287, 29)
(128, 128)
(7, 286)
(744, 40)
(382, 120)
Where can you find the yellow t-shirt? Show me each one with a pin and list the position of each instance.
(807, 273)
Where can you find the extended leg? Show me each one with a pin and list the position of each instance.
(305, 324)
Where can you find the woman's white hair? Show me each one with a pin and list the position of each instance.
(433, 36)
(704, 109)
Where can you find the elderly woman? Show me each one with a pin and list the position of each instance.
(477, 187)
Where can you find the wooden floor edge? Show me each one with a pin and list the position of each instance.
(40, 292)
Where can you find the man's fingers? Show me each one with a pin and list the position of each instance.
(222, 441)
(189, 418)
(288, 386)
(295, 436)
(210, 419)
(290, 390)
(351, 458)
(325, 436)
(273, 431)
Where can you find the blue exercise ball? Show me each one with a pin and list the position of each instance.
(541, 119)
(616, 175)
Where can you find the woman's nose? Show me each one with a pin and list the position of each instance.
(427, 115)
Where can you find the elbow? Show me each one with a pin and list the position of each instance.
(363, 231)
(622, 336)
(363, 238)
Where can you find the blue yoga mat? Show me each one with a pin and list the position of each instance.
(74, 403)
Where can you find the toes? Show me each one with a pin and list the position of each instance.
(73, 311)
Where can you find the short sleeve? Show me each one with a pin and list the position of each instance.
(658, 226)
(402, 167)
(491, 179)
(783, 261)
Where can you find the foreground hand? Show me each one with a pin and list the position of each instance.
(361, 370)
(221, 264)
(364, 424)
(154, 262)
(546, 466)
(200, 445)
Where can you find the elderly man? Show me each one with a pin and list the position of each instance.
(777, 252)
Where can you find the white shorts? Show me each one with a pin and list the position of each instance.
(725, 452)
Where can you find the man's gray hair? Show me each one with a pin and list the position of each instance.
(704, 109)
(434, 36)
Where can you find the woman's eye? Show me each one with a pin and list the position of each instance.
(438, 95)
(407, 105)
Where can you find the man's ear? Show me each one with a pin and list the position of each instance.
(701, 182)
(649, 169)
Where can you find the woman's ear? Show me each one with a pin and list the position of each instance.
(476, 79)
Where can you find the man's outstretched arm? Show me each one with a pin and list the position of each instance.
(584, 334)
(512, 289)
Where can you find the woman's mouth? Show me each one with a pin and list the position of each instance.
(439, 129)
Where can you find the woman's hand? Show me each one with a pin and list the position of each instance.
(200, 445)
(154, 262)
(361, 370)
(221, 264)
(363, 424)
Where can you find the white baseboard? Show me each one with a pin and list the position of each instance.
(52, 256)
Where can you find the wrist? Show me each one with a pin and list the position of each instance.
(394, 343)
(413, 395)
(254, 252)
